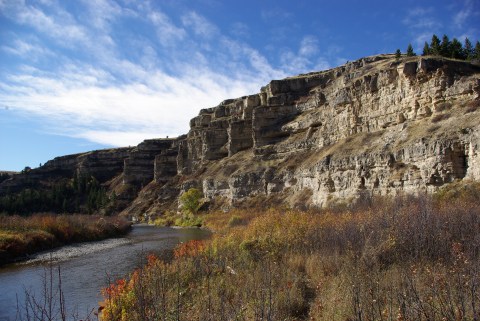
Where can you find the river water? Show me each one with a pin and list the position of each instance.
(86, 268)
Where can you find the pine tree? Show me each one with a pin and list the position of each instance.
(410, 52)
(456, 50)
(445, 47)
(398, 54)
(435, 46)
(468, 49)
(426, 49)
(476, 54)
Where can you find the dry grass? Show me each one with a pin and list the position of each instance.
(403, 259)
(20, 236)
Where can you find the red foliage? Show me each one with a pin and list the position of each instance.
(115, 289)
(189, 249)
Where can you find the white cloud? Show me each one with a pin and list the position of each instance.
(308, 46)
(80, 105)
(167, 32)
(199, 25)
(120, 96)
(307, 58)
(64, 30)
(31, 49)
(102, 12)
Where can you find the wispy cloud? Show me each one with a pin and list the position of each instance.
(308, 46)
(469, 9)
(102, 12)
(308, 56)
(421, 24)
(167, 31)
(199, 24)
(63, 29)
(76, 103)
(421, 18)
(117, 101)
(31, 49)
(276, 14)
(120, 89)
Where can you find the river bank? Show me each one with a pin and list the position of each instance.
(21, 237)
(86, 268)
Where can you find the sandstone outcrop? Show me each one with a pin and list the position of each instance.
(378, 126)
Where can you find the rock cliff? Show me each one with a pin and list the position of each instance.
(378, 126)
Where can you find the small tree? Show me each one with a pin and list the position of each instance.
(456, 50)
(398, 54)
(445, 47)
(190, 201)
(468, 49)
(410, 52)
(426, 49)
(435, 45)
(477, 51)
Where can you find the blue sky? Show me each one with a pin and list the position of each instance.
(77, 75)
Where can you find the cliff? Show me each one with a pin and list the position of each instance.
(377, 126)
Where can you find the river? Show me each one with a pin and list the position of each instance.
(86, 268)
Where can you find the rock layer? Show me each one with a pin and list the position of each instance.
(377, 125)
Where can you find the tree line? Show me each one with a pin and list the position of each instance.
(81, 194)
(446, 48)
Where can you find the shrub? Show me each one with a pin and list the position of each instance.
(411, 258)
(190, 201)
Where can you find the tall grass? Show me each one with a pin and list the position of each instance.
(20, 236)
(403, 259)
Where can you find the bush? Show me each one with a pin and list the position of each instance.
(190, 201)
(411, 258)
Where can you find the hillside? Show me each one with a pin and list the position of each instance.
(375, 126)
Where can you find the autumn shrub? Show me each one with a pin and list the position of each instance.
(20, 236)
(410, 258)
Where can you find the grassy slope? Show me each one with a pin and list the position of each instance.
(403, 259)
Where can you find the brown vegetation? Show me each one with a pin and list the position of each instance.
(20, 236)
(412, 258)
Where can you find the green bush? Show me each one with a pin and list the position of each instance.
(190, 201)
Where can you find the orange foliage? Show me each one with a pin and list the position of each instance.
(189, 249)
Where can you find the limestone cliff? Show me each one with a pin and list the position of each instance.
(377, 126)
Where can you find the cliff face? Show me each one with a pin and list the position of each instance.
(376, 126)
(103, 164)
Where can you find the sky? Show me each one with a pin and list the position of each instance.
(78, 75)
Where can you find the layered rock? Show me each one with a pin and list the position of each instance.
(102, 164)
(378, 125)
(139, 166)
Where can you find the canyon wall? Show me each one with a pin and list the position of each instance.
(377, 126)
